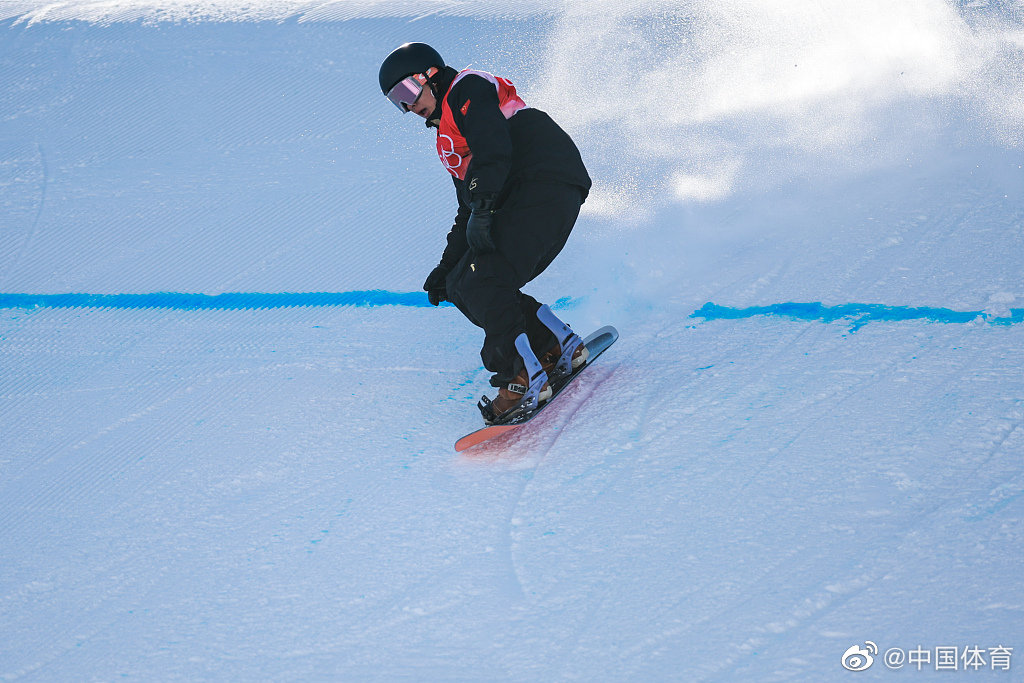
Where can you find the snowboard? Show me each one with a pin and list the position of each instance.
(597, 343)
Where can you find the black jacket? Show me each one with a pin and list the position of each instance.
(506, 152)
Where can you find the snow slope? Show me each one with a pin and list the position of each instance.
(227, 417)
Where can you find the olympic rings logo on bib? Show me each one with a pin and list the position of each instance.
(449, 154)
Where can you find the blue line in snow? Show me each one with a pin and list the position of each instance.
(220, 302)
(858, 314)
(225, 302)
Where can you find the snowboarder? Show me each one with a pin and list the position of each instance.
(520, 182)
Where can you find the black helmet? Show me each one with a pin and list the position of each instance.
(407, 60)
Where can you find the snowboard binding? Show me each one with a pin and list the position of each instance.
(568, 343)
(509, 417)
(530, 386)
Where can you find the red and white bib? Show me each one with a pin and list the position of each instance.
(452, 147)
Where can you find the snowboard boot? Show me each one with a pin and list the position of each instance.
(569, 351)
(524, 394)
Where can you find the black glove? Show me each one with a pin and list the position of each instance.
(478, 229)
(437, 290)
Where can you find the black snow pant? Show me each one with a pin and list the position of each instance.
(529, 230)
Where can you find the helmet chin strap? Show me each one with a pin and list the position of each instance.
(434, 120)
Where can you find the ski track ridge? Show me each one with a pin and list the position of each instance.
(30, 12)
(551, 441)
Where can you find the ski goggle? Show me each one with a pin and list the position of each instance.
(405, 92)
